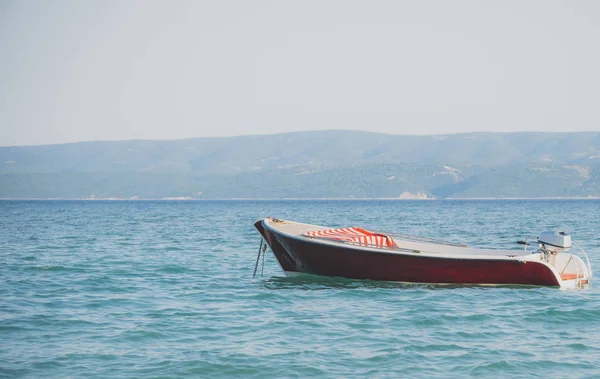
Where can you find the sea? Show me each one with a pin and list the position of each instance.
(165, 289)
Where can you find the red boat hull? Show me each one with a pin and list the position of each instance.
(304, 255)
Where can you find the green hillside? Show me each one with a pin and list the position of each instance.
(327, 164)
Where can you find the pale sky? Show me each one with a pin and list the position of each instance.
(111, 70)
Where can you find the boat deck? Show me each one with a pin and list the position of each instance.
(411, 244)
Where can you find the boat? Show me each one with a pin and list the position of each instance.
(358, 253)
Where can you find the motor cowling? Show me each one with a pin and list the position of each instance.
(555, 241)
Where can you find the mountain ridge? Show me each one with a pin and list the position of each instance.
(313, 164)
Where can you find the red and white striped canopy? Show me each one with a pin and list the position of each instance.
(354, 234)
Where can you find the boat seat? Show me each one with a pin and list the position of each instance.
(354, 235)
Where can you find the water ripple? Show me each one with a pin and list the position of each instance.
(164, 289)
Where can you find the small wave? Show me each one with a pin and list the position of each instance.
(173, 248)
(572, 315)
(174, 269)
(51, 268)
(317, 282)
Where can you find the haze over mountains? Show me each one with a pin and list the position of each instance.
(323, 164)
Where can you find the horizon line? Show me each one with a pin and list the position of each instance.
(300, 132)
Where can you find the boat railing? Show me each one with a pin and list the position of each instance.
(411, 238)
(587, 259)
(586, 268)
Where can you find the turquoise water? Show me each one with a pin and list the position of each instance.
(164, 289)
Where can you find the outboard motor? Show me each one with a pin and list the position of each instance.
(555, 241)
(552, 243)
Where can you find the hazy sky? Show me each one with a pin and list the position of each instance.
(108, 70)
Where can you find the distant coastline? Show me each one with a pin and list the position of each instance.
(327, 165)
(304, 199)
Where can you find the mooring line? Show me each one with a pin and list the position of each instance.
(260, 249)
